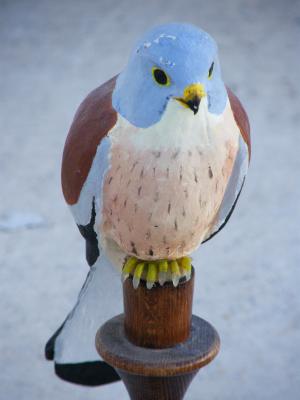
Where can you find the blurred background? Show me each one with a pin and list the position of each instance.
(52, 53)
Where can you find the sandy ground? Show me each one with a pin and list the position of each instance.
(51, 55)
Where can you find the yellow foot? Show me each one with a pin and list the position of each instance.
(157, 271)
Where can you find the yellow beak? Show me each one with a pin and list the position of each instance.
(192, 96)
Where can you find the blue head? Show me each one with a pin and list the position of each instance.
(176, 61)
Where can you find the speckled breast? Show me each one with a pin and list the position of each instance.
(160, 204)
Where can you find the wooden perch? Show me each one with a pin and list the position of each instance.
(157, 346)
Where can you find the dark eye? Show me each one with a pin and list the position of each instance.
(210, 71)
(160, 76)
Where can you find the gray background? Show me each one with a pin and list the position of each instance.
(52, 53)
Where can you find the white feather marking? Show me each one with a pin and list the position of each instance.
(164, 36)
(95, 305)
(92, 188)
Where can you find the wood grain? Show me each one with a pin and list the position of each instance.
(156, 388)
(198, 350)
(175, 343)
(158, 318)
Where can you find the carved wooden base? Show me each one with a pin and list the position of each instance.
(157, 374)
(160, 317)
(156, 388)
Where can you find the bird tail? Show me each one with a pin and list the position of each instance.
(72, 346)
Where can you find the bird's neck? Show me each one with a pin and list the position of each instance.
(178, 128)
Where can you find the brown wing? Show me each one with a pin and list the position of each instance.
(93, 120)
(241, 118)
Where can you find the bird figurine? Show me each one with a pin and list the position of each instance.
(153, 166)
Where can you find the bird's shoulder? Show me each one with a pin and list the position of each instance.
(93, 120)
(241, 118)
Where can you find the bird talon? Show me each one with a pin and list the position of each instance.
(186, 266)
(151, 275)
(160, 271)
(163, 272)
(128, 268)
(175, 272)
(162, 278)
(138, 274)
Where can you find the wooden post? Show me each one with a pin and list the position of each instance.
(157, 346)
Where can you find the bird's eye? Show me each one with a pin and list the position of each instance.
(210, 71)
(160, 77)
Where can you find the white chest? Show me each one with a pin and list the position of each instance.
(166, 183)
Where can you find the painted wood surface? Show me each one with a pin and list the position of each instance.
(164, 315)
(156, 319)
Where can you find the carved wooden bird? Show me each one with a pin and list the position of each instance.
(153, 165)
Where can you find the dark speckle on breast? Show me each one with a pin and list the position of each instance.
(133, 166)
(175, 155)
(210, 173)
(156, 154)
(133, 249)
(195, 177)
(200, 201)
(199, 152)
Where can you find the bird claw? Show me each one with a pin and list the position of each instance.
(136, 282)
(162, 278)
(186, 266)
(128, 268)
(150, 284)
(160, 271)
(175, 279)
